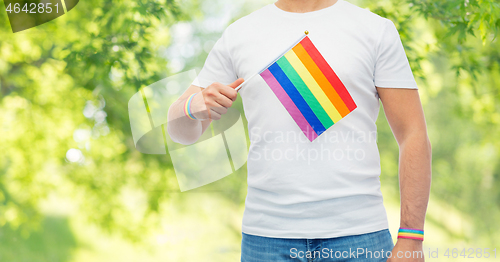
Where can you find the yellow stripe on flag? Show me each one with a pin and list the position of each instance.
(321, 79)
(313, 86)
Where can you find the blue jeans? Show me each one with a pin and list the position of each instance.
(373, 247)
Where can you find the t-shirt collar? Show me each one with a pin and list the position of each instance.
(322, 11)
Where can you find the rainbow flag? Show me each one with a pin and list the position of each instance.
(308, 88)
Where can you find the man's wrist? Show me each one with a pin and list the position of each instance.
(410, 242)
(198, 107)
(411, 233)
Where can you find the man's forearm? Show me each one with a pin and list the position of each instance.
(414, 179)
(182, 129)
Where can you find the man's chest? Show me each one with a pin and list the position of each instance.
(349, 55)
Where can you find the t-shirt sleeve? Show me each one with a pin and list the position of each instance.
(218, 66)
(392, 68)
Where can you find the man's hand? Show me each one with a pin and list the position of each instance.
(407, 250)
(213, 101)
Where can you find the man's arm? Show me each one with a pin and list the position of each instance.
(181, 128)
(405, 115)
(216, 98)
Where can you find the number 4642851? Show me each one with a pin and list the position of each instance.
(471, 253)
(32, 8)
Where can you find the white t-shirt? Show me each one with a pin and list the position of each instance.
(329, 187)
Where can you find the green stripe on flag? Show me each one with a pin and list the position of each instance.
(305, 92)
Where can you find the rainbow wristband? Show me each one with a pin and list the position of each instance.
(411, 233)
(187, 104)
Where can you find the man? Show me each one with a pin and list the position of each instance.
(317, 200)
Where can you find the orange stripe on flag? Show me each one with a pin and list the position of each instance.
(328, 72)
(321, 80)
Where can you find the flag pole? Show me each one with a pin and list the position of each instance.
(268, 65)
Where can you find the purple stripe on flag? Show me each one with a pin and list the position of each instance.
(289, 105)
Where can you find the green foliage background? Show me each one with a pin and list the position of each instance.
(66, 84)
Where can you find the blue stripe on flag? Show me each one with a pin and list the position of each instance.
(299, 101)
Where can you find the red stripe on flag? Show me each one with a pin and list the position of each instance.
(329, 73)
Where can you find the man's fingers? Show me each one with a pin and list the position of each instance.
(219, 109)
(236, 83)
(218, 98)
(223, 100)
(229, 92)
(213, 114)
